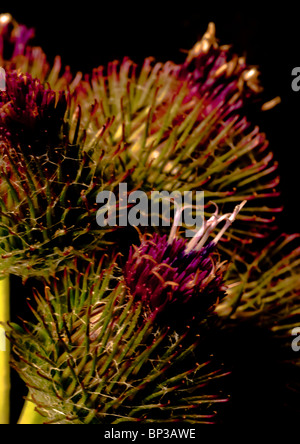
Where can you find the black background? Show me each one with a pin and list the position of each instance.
(88, 34)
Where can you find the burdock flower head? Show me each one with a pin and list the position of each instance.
(30, 114)
(177, 278)
(48, 184)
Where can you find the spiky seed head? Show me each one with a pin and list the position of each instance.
(31, 115)
(48, 184)
(93, 357)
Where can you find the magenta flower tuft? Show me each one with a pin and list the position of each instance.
(164, 276)
(14, 34)
(29, 112)
(180, 278)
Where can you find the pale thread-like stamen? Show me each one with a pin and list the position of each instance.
(206, 235)
(231, 218)
(198, 235)
(203, 234)
(192, 244)
(177, 218)
(205, 230)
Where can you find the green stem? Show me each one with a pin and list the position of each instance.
(4, 353)
(29, 415)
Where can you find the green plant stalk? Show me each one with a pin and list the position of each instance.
(4, 353)
(29, 415)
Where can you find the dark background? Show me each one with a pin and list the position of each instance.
(87, 34)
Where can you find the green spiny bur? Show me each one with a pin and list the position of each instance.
(107, 362)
